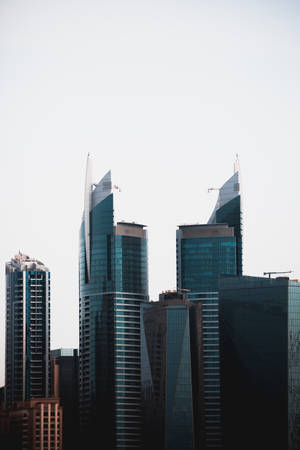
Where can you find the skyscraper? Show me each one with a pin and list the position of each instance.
(204, 252)
(260, 362)
(170, 408)
(27, 362)
(113, 282)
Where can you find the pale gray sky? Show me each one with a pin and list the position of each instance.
(163, 93)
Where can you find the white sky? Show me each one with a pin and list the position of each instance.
(163, 93)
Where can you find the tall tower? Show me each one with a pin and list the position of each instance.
(204, 252)
(171, 409)
(260, 362)
(27, 329)
(113, 282)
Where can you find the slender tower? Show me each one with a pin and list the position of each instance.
(204, 252)
(113, 282)
(27, 329)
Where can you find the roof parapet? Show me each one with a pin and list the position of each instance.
(23, 263)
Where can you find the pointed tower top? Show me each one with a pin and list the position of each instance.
(230, 189)
(237, 164)
(87, 209)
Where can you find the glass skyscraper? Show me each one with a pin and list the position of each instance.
(229, 210)
(27, 361)
(169, 409)
(204, 252)
(260, 362)
(113, 283)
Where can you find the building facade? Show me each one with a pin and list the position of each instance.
(171, 406)
(64, 378)
(34, 424)
(27, 360)
(204, 252)
(113, 282)
(228, 210)
(260, 362)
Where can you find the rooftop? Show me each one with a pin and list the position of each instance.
(131, 224)
(22, 262)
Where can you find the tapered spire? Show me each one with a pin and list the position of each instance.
(230, 189)
(87, 209)
(93, 195)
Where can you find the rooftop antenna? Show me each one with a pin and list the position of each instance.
(236, 166)
(270, 273)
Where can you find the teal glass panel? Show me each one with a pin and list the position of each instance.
(254, 334)
(204, 259)
(294, 365)
(231, 214)
(179, 403)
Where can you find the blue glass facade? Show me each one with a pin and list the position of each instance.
(231, 213)
(113, 284)
(203, 253)
(96, 318)
(167, 375)
(132, 290)
(294, 365)
(259, 341)
(179, 401)
(27, 329)
(204, 259)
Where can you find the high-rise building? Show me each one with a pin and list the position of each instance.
(34, 424)
(260, 362)
(170, 409)
(27, 361)
(204, 252)
(64, 377)
(113, 284)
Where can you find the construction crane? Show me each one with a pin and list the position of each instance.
(270, 273)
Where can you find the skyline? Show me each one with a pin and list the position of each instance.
(162, 96)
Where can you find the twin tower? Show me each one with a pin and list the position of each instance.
(125, 386)
(214, 364)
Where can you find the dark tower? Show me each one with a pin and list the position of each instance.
(113, 282)
(204, 252)
(260, 362)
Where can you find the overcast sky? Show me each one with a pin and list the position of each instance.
(163, 93)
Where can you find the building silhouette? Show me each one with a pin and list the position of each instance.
(171, 406)
(260, 362)
(204, 252)
(113, 283)
(27, 359)
(64, 377)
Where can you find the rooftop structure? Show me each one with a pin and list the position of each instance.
(22, 262)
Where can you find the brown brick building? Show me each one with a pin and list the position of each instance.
(34, 424)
